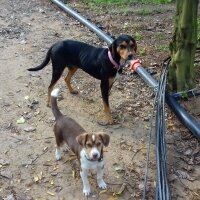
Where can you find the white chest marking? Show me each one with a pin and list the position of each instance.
(93, 137)
(87, 164)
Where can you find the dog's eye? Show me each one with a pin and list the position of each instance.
(122, 46)
(132, 46)
(88, 145)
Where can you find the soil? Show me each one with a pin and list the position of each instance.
(28, 169)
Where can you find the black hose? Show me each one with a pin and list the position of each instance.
(84, 21)
(190, 122)
(162, 186)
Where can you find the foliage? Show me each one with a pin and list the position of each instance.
(198, 32)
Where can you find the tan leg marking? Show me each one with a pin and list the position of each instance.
(71, 72)
(111, 82)
(107, 113)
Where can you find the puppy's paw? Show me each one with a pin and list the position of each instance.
(65, 148)
(86, 191)
(102, 184)
(58, 155)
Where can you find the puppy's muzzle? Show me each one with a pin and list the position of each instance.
(95, 155)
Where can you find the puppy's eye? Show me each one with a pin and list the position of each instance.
(122, 46)
(88, 145)
(98, 144)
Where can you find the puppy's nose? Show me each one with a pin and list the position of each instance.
(95, 155)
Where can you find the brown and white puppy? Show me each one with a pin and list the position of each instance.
(88, 147)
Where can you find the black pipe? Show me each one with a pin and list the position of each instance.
(190, 122)
(84, 21)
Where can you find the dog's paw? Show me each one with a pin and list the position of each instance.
(102, 184)
(74, 92)
(86, 191)
(104, 121)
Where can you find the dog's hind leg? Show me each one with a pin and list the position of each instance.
(59, 142)
(56, 74)
(71, 72)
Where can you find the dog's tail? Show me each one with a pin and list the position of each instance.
(54, 106)
(44, 63)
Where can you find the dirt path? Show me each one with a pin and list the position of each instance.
(28, 169)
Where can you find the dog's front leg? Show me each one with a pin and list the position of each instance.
(100, 180)
(105, 96)
(86, 185)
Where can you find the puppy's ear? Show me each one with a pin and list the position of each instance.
(105, 138)
(82, 138)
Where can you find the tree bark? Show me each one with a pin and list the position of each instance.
(183, 46)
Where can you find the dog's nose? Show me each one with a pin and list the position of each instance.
(130, 56)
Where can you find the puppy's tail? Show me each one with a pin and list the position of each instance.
(54, 106)
(44, 63)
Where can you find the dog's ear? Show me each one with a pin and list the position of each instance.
(135, 48)
(134, 42)
(105, 138)
(112, 48)
(82, 138)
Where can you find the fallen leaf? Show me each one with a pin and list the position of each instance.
(51, 182)
(45, 148)
(102, 192)
(74, 174)
(10, 197)
(40, 175)
(6, 174)
(29, 129)
(121, 190)
(119, 169)
(4, 162)
(50, 193)
(21, 120)
(112, 198)
(36, 178)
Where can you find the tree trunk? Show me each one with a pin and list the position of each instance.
(183, 46)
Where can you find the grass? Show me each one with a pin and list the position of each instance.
(137, 36)
(133, 26)
(142, 52)
(145, 12)
(162, 48)
(125, 2)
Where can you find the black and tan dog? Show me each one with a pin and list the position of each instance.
(101, 63)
